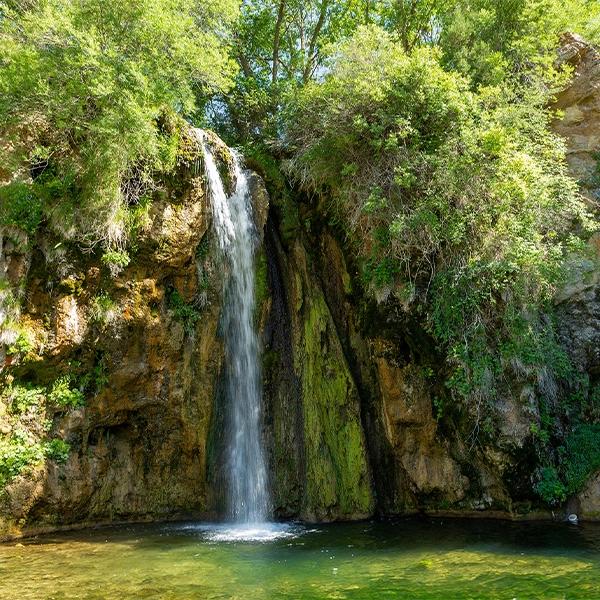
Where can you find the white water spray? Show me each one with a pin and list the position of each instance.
(246, 468)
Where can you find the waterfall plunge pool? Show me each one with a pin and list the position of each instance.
(406, 559)
(244, 532)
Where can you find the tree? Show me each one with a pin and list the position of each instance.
(85, 86)
(490, 40)
(281, 45)
(415, 21)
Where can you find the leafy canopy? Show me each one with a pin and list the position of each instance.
(281, 45)
(84, 87)
(490, 40)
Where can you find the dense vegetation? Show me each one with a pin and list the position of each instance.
(422, 125)
(458, 202)
(87, 92)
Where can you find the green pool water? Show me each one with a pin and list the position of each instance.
(435, 558)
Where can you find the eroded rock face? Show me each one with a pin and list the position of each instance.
(578, 303)
(589, 500)
(319, 453)
(411, 429)
(138, 446)
(580, 103)
(579, 308)
(415, 464)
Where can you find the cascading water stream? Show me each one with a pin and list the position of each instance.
(236, 233)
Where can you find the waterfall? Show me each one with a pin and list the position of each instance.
(233, 222)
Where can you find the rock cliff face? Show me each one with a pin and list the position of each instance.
(579, 302)
(367, 440)
(319, 449)
(111, 375)
(580, 104)
(144, 348)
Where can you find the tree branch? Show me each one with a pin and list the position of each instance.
(312, 55)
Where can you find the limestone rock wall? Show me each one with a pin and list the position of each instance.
(143, 346)
(579, 103)
(578, 303)
(319, 452)
(417, 461)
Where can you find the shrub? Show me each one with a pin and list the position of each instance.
(20, 206)
(63, 395)
(575, 461)
(95, 379)
(23, 345)
(549, 487)
(16, 454)
(102, 308)
(461, 198)
(187, 314)
(22, 397)
(57, 450)
(115, 260)
(581, 457)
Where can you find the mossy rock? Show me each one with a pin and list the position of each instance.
(338, 476)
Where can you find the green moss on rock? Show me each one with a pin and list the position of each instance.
(338, 479)
(261, 282)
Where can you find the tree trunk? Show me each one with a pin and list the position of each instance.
(277, 39)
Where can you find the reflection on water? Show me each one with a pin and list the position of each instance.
(420, 559)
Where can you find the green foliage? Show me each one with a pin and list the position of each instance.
(84, 87)
(415, 21)
(62, 393)
(115, 260)
(581, 458)
(281, 45)
(22, 397)
(19, 452)
(187, 314)
(94, 380)
(591, 405)
(491, 40)
(577, 460)
(463, 197)
(23, 345)
(203, 249)
(57, 450)
(550, 488)
(16, 454)
(20, 206)
(102, 308)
